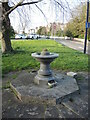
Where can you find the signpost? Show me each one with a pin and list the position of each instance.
(87, 26)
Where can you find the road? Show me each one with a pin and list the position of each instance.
(74, 45)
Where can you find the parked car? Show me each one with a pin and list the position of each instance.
(33, 36)
(67, 38)
(43, 36)
(20, 36)
(47, 37)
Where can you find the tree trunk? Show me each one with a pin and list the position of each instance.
(5, 40)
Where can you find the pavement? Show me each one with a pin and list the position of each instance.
(26, 90)
(74, 107)
(77, 45)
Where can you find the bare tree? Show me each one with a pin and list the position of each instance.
(6, 10)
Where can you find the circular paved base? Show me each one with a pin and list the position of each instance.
(27, 91)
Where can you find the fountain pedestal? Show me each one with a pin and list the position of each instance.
(44, 74)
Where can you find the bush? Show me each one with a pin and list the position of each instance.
(68, 33)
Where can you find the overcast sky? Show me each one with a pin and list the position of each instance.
(53, 13)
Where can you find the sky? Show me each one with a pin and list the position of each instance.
(53, 13)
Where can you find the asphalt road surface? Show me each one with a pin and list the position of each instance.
(77, 45)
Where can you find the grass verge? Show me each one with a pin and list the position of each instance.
(68, 60)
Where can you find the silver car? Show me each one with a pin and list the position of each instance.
(33, 36)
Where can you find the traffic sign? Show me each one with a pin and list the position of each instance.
(87, 25)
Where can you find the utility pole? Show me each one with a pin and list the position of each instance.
(87, 26)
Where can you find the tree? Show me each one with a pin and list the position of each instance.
(7, 9)
(5, 30)
(42, 31)
(39, 31)
(76, 26)
(68, 33)
(5, 40)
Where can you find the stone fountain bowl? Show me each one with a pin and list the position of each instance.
(45, 57)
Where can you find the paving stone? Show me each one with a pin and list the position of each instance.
(24, 111)
(12, 108)
(51, 112)
(80, 108)
(66, 113)
(79, 102)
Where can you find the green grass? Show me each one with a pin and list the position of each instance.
(68, 60)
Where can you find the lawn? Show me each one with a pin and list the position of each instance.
(68, 60)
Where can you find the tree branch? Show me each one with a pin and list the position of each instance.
(20, 4)
(10, 10)
(33, 2)
(60, 5)
(69, 8)
(41, 12)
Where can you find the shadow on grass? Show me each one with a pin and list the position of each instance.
(14, 52)
(19, 52)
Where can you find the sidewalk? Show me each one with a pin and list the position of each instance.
(75, 107)
(77, 45)
(80, 40)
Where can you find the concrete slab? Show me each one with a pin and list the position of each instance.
(14, 109)
(26, 90)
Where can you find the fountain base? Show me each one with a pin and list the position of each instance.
(26, 90)
(41, 79)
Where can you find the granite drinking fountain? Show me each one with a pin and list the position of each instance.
(44, 85)
(45, 74)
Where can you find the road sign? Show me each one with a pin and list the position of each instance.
(87, 25)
